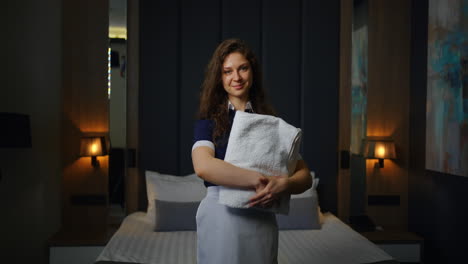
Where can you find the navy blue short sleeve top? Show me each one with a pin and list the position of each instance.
(203, 131)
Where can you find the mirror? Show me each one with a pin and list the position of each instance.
(117, 94)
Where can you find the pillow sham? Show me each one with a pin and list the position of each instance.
(304, 210)
(171, 188)
(175, 216)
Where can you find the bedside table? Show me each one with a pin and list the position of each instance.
(78, 246)
(405, 247)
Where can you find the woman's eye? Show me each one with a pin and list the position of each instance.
(245, 68)
(227, 72)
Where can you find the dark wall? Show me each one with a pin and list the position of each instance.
(298, 45)
(438, 208)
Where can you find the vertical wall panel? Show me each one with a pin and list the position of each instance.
(281, 49)
(299, 51)
(85, 109)
(344, 108)
(320, 94)
(159, 102)
(434, 208)
(242, 19)
(32, 83)
(388, 105)
(133, 183)
(421, 185)
(199, 37)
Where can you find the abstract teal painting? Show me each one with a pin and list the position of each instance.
(447, 87)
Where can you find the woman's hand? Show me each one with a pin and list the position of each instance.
(269, 190)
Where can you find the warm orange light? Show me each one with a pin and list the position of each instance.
(380, 151)
(93, 148)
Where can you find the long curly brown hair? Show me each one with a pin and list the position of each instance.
(213, 97)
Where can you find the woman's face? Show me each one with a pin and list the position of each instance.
(237, 76)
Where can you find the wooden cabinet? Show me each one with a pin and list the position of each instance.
(406, 247)
(78, 246)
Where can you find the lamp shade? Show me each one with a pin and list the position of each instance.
(380, 149)
(93, 146)
(15, 131)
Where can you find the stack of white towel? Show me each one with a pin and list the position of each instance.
(262, 143)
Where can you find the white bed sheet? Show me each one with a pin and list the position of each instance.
(335, 242)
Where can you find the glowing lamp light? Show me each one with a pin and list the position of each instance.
(93, 147)
(380, 149)
(118, 32)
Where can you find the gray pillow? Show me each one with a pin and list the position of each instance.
(303, 214)
(169, 187)
(175, 216)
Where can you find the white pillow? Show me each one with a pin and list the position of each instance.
(166, 187)
(312, 191)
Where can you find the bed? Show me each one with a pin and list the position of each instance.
(166, 232)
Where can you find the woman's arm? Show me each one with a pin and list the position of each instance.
(301, 180)
(223, 173)
(274, 186)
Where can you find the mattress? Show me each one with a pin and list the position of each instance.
(335, 242)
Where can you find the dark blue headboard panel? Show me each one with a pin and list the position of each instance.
(298, 45)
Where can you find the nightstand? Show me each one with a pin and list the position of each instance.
(78, 246)
(406, 247)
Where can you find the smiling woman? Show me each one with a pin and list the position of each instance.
(231, 59)
(233, 83)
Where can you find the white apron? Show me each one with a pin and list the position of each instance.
(228, 235)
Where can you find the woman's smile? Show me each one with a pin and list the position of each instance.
(238, 86)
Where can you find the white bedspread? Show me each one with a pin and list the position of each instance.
(335, 243)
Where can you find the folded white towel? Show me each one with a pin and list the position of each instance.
(262, 143)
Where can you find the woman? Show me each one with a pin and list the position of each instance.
(228, 235)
